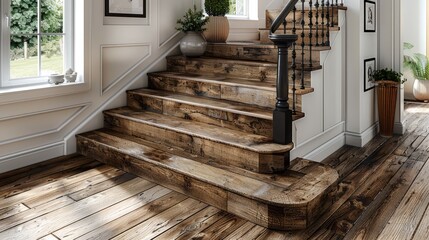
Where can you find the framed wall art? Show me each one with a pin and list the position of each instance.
(125, 8)
(370, 16)
(369, 67)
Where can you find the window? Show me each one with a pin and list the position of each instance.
(239, 9)
(37, 40)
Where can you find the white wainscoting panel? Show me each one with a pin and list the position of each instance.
(119, 60)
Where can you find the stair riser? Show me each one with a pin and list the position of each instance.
(241, 94)
(260, 54)
(272, 15)
(221, 152)
(239, 70)
(201, 114)
(261, 73)
(270, 216)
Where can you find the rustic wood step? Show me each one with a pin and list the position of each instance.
(221, 87)
(262, 51)
(293, 204)
(231, 147)
(219, 112)
(251, 70)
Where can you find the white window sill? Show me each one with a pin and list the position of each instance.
(42, 91)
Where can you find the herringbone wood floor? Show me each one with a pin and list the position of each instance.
(384, 193)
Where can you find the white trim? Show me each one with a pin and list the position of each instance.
(361, 139)
(320, 143)
(327, 149)
(32, 156)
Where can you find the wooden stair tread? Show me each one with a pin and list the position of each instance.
(250, 63)
(221, 186)
(225, 80)
(257, 44)
(219, 104)
(226, 61)
(218, 78)
(251, 142)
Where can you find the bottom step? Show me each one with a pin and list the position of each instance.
(287, 201)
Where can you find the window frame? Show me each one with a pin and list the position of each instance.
(68, 38)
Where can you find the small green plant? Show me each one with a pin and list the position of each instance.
(418, 63)
(192, 21)
(387, 74)
(216, 7)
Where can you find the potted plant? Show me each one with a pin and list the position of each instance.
(419, 65)
(192, 24)
(387, 82)
(218, 25)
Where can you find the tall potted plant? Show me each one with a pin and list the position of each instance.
(218, 25)
(192, 24)
(387, 82)
(419, 65)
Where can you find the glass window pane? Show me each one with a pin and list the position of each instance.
(23, 56)
(23, 17)
(52, 16)
(52, 55)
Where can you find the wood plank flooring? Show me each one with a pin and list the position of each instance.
(383, 194)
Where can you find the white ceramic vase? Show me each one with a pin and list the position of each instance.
(421, 90)
(193, 44)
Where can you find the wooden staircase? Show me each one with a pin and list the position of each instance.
(204, 128)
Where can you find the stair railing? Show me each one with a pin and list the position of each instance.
(320, 14)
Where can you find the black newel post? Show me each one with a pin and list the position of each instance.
(282, 116)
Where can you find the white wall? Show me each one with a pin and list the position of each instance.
(413, 23)
(38, 125)
(360, 111)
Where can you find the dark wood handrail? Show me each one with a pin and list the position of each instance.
(282, 16)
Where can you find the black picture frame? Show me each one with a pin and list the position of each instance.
(370, 16)
(369, 65)
(126, 10)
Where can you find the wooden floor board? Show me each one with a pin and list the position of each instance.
(383, 193)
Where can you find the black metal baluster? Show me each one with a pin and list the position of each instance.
(317, 22)
(336, 3)
(284, 26)
(327, 24)
(310, 34)
(332, 13)
(302, 43)
(294, 64)
(323, 23)
(342, 3)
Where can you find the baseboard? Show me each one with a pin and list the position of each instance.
(399, 128)
(327, 149)
(32, 156)
(361, 139)
(322, 145)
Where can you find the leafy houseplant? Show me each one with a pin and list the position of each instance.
(218, 26)
(192, 24)
(387, 81)
(419, 65)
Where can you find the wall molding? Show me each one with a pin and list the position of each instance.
(80, 108)
(105, 89)
(31, 156)
(361, 139)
